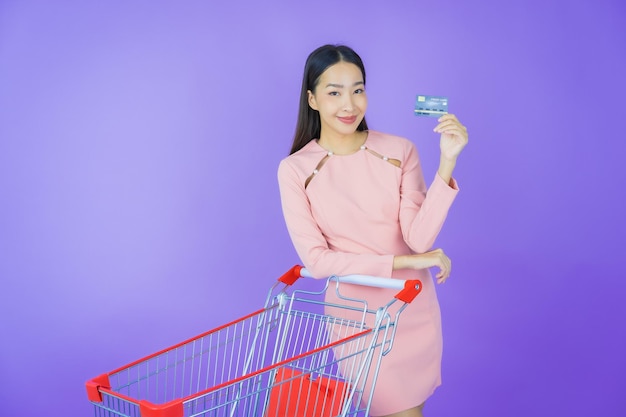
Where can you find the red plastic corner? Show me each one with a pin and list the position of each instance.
(291, 276)
(93, 392)
(171, 409)
(412, 287)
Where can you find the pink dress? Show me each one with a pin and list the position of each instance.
(351, 215)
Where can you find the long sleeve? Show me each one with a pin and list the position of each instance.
(422, 212)
(309, 241)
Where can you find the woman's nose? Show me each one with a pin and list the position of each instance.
(348, 105)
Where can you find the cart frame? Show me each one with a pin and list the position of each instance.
(279, 360)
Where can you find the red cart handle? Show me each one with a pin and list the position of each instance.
(291, 276)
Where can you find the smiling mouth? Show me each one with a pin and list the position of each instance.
(348, 120)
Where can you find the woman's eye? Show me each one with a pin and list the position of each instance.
(359, 91)
(334, 93)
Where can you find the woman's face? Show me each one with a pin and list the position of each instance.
(340, 99)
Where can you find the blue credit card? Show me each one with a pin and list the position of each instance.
(432, 106)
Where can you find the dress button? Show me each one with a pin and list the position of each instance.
(362, 147)
(315, 171)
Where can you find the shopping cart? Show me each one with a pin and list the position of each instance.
(289, 359)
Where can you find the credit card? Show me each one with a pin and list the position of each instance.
(432, 106)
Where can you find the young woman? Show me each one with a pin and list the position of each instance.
(355, 202)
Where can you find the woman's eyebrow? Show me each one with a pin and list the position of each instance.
(341, 85)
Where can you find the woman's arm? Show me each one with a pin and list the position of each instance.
(423, 212)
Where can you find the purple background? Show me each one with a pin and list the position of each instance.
(139, 143)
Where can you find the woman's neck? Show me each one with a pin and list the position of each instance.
(343, 145)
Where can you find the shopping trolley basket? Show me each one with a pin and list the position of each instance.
(284, 360)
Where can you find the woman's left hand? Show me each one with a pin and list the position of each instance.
(453, 136)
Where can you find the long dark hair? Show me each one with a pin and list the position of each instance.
(308, 126)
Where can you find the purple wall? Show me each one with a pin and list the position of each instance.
(139, 206)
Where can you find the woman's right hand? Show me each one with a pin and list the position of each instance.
(433, 258)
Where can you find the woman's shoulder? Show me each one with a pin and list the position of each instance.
(300, 162)
(388, 142)
(310, 151)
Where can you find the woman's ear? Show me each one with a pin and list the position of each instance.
(312, 102)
